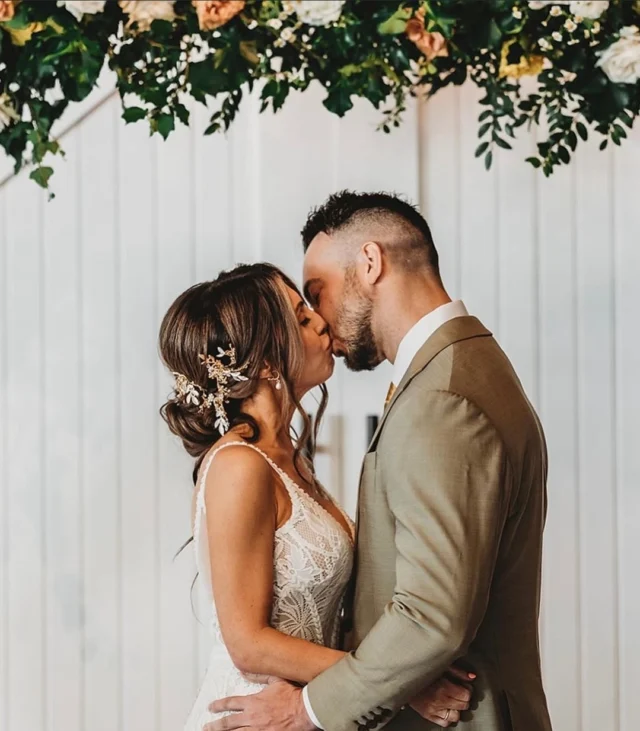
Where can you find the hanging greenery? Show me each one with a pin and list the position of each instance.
(585, 55)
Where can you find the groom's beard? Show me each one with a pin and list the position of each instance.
(356, 334)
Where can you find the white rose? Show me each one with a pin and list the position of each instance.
(78, 8)
(591, 9)
(621, 60)
(144, 12)
(315, 12)
(541, 4)
(7, 112)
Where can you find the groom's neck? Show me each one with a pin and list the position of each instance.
(402, 302)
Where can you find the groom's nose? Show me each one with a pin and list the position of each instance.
(338, 348)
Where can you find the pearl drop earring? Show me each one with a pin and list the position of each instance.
(278, 382)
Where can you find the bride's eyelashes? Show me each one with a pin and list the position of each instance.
(306, 320)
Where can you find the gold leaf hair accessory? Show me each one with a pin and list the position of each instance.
(222, 373)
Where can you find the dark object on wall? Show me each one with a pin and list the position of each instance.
(372, 425)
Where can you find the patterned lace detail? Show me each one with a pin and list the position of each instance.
(312, 561)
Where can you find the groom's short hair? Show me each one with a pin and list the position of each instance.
(403, 231)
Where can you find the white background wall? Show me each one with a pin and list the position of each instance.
(97, 630)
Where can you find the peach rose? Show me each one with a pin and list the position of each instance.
(214, 13)
(430, 44)
(7, 10)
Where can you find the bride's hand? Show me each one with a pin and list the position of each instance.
(443, 701)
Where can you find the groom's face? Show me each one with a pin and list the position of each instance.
(335, 292)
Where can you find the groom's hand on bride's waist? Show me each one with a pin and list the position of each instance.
(443, 701)
(278, 706)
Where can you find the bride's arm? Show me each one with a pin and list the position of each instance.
(241, 522)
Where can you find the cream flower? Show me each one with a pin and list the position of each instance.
(570, 25)
(78, 8)
(144, 12)
(8, 113)
(590, 9)
(537, 5)
(621, 60)
(315, 12)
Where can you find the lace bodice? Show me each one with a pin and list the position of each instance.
(312, 562)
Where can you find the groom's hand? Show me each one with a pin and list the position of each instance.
(443, 701)
(276, 708)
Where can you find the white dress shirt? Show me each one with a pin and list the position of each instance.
(420, 333)
(407, 351)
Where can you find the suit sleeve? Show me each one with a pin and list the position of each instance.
(444, 472)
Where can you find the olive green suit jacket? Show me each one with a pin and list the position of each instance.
(451, 512)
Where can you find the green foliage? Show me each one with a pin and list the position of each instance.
(49, 59)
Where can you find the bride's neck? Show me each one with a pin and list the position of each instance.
(266, 409)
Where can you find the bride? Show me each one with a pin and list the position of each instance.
(274, 550)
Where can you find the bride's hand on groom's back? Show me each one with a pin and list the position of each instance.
(443, 701)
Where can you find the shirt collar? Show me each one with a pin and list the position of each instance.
(421, 332)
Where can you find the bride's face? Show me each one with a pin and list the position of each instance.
(318, 357)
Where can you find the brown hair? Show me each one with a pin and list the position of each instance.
(246, 308)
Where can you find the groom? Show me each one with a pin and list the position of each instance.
(452, 495)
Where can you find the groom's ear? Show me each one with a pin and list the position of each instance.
(371, 262)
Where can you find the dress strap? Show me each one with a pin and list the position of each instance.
(200, 501)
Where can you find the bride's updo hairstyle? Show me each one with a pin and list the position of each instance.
(247, 311)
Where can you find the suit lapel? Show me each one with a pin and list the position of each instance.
(453, 331)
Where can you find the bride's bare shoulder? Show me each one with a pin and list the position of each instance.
(239, 468)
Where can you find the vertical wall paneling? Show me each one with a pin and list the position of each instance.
(479, 222)
(596, 396)
(26, 481)
(4, 471)
(61, 416)
(244, 176)
(101, 471)
(137, 235)
(516, 258)
(97, 630)
(176, 259)
(559, 410)
(626, 225)
(440, 171)
(210, 198)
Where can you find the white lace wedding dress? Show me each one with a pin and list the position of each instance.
(312, 561)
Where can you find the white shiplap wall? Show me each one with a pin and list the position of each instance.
(97, 631)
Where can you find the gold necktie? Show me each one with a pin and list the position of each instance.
(390, 392)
